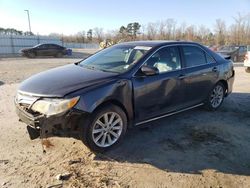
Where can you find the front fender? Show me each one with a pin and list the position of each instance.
(116, 90)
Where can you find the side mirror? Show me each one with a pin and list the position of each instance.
(149, 71)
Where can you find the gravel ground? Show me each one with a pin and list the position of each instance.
(193, 149)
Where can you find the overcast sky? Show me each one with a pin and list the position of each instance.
(71, 16)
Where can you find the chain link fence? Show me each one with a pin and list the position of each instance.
(12, 44)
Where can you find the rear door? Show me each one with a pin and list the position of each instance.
(200, 74)
(159, 94)
(54, 49)
(43, 50)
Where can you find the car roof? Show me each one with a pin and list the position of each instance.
(156, 43)
(49, 44)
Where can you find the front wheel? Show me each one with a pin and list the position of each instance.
(104, 129)
(216, 97)
(31, 55)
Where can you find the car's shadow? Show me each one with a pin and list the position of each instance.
(191, 142)
(74, 55)
(1, 83)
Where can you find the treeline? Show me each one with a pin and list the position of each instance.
(12, 31)
(237, 33)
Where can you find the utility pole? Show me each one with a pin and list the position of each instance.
(28, 19)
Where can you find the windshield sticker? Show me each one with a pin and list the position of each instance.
(142, 48)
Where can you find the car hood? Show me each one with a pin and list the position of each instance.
(60, 81)
(25, 49)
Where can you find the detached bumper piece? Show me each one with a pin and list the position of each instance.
(33, 133)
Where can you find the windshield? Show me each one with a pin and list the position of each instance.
(37, 45)
(116, 59)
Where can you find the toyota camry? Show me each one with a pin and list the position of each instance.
(123, 86)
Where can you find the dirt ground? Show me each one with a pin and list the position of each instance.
(193, 149)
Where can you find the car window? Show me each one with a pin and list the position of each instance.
(117, 55)
(52, 46)
(44, 46)
(40, 46)
(166, 59)
(194, 56)
(248, 48)
(243, 49)
(56, 46)
(210, 59)
(135, 55)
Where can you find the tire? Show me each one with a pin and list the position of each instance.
(59, 55)
(247, 69)
(31, 55)
(100, 137)
(215, 97)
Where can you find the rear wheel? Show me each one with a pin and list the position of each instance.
(216, 97)
(104, 129)
(59, 54)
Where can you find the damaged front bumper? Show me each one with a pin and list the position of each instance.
(39, 125)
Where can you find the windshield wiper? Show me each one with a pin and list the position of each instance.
(104, 70)
(94, 68)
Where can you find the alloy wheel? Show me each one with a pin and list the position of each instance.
(107, 129)
(217, 96)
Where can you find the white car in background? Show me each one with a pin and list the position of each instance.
(247, 59)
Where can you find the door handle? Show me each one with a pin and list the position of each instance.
(215, 69)
(181, 76)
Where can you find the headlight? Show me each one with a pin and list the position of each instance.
(54, 106)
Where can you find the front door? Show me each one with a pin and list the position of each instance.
(162, 93)
(42, 50)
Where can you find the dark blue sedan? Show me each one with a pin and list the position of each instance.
(123, 86)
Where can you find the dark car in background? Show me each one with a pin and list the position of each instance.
(44, 50)
(126, 85)
(237, 53)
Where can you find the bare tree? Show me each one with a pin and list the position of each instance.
(240, 29)
(203, 35)
(152, 29)
(98, 34)
(220, 32)
(170, 28)
(81, 35)
(190, 33)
